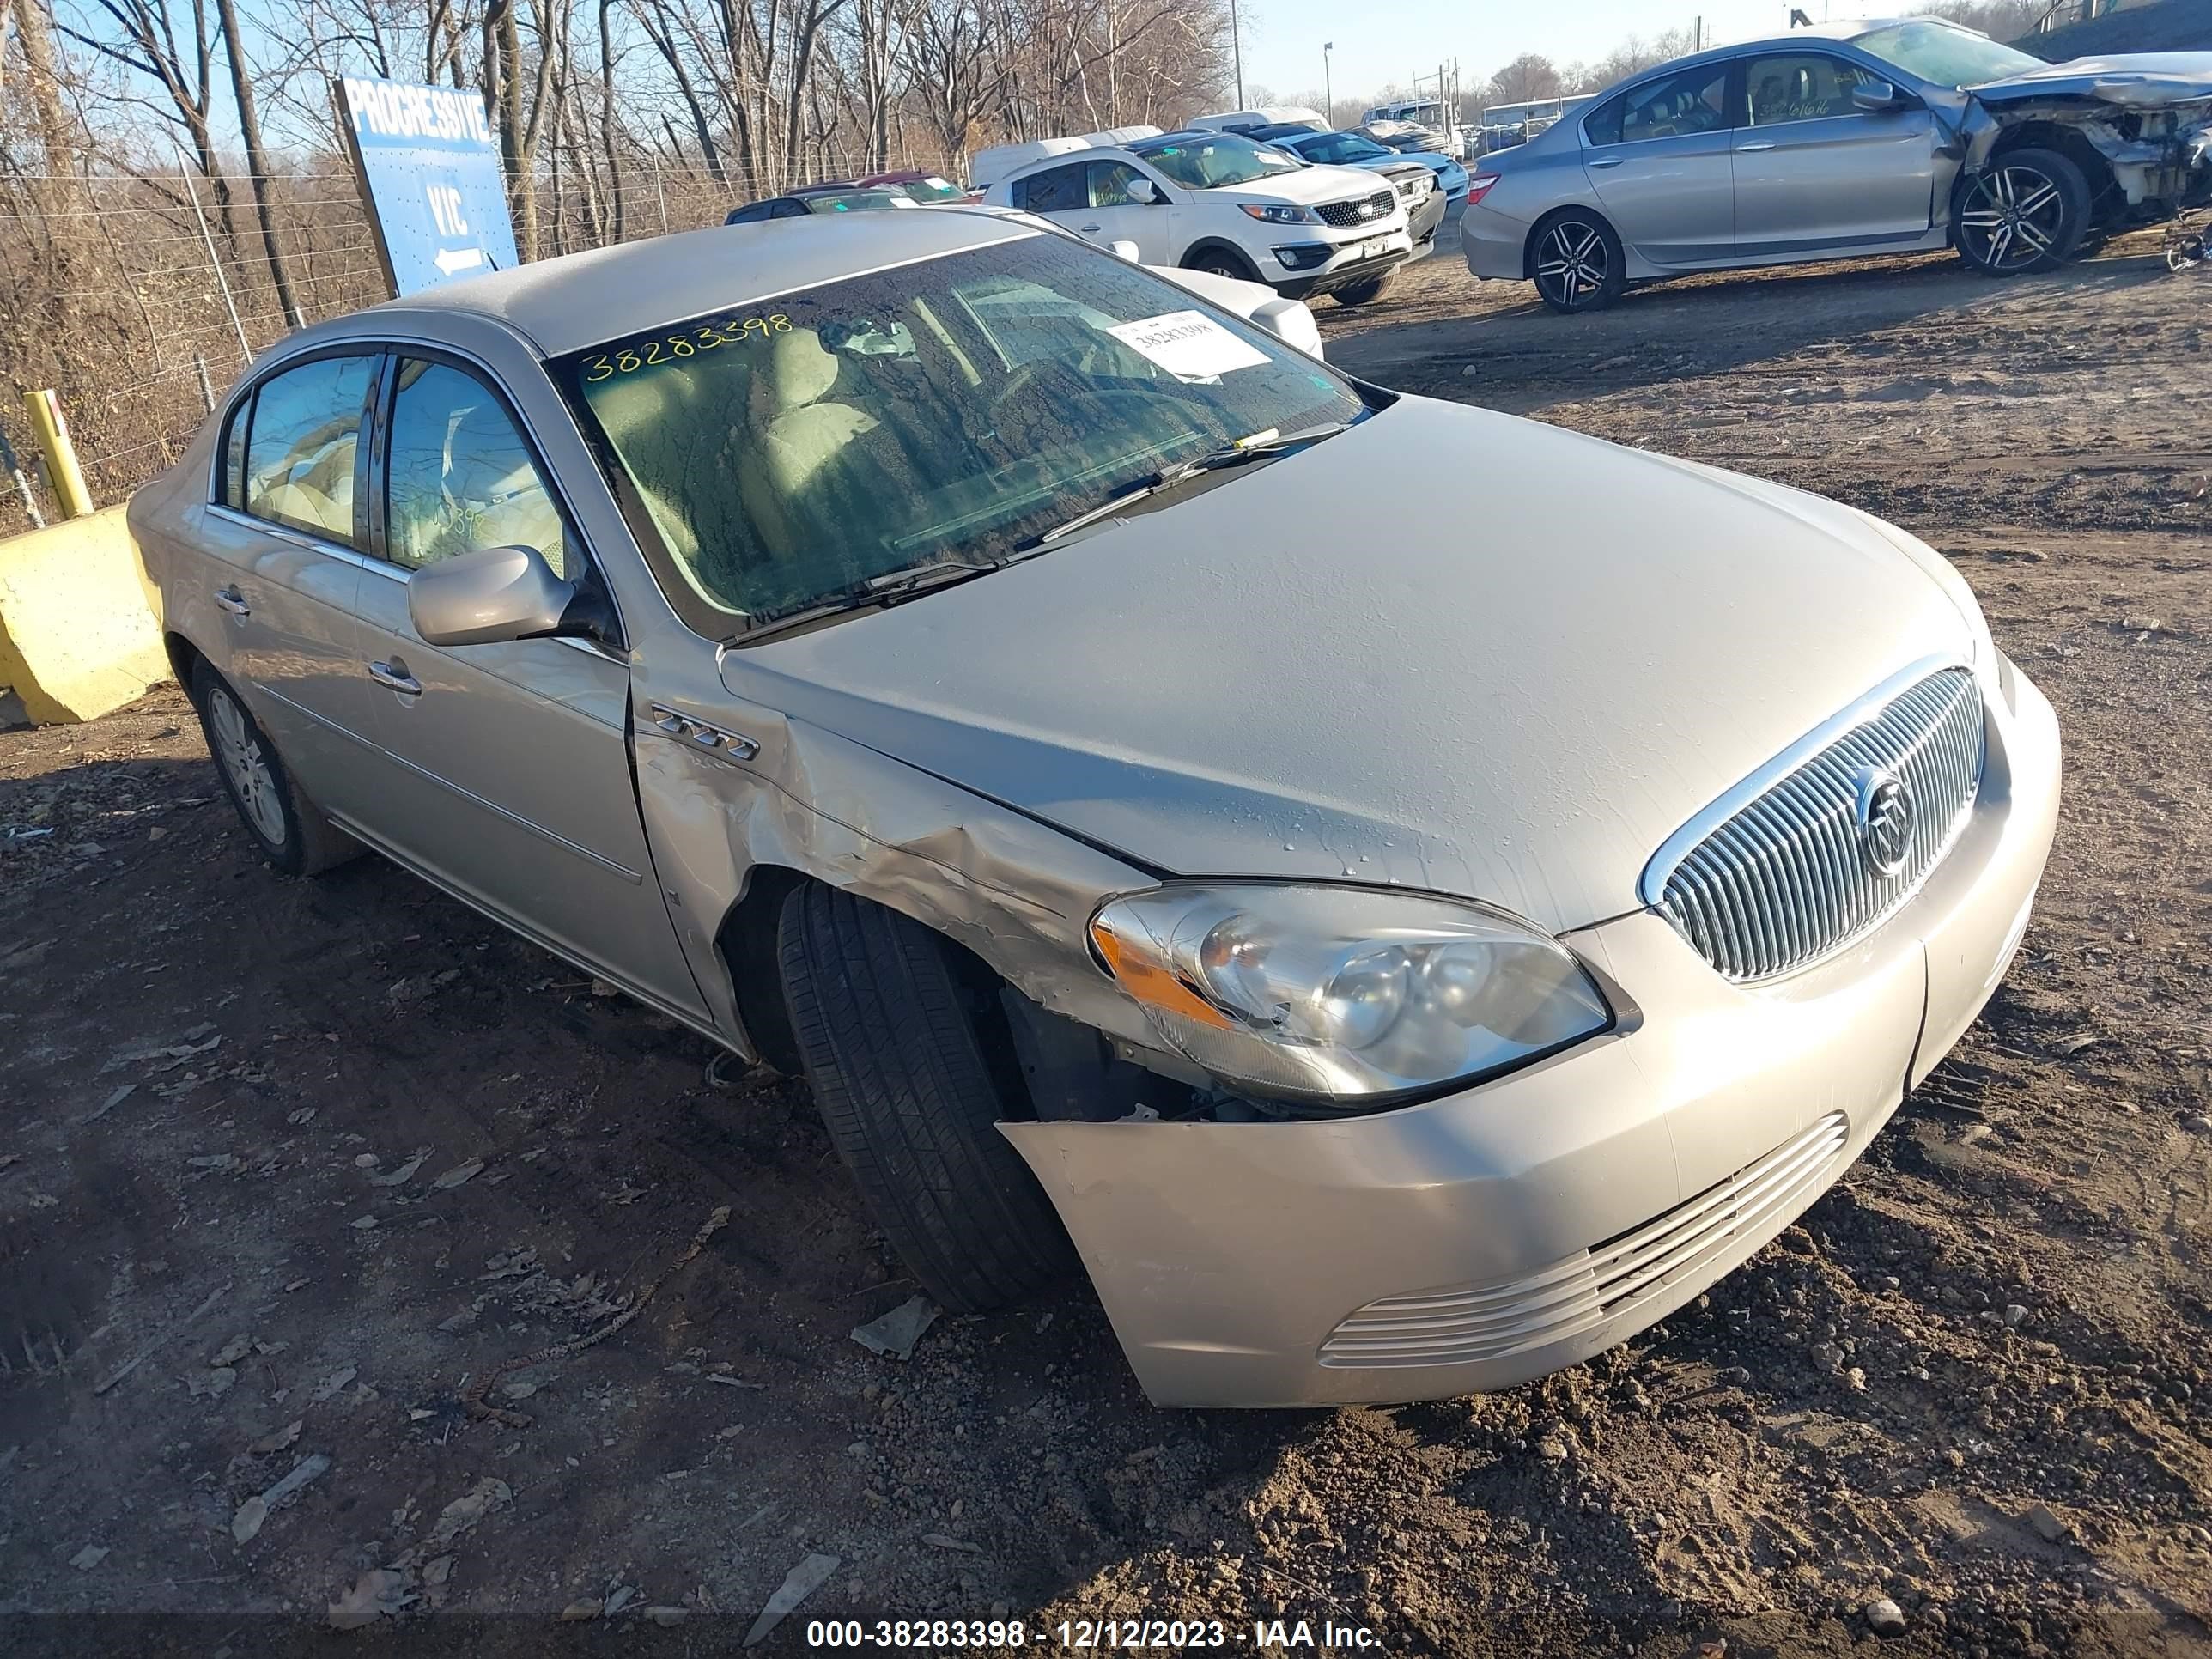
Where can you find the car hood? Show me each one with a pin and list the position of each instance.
(1307, 187)
(1285, 676)
(2144, 78)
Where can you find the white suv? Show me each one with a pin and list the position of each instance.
(1214, 202)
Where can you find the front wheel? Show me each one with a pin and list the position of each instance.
(1365, 292)
(2026, 211)
(1216, 263)
(1576, 262)
(896, 1030)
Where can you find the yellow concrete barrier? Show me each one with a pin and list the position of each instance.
(75, 637)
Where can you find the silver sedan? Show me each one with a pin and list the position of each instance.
(1842, 140)
(928, 652)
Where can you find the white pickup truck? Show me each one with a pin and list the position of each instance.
(1212, 202)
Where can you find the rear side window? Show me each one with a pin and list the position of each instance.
(1056, 189)
(1693, 101)
(302, 436)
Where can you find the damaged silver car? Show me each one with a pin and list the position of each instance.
(929, 652)
(1840, 140)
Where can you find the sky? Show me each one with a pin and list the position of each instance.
(1379, 41)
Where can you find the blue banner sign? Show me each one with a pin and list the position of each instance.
(429, 167)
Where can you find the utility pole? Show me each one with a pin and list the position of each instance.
(1328, 85)
(1236, 47)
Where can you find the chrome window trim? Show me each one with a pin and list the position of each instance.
(1652, 887)
(306, 540)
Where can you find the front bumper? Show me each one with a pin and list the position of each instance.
(1347, 265)
(1477, 1241)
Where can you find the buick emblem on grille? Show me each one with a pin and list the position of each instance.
(1367, 209)
(1884, 816)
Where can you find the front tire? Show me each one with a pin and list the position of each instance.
(891, 1028)
(2028, 211)
(1217, 261)
(1576, 262)
(1365, 293)
(295, 838)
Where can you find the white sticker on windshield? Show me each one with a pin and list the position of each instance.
(1189, 344)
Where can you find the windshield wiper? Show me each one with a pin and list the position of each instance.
(874, 592)
(1259, 447)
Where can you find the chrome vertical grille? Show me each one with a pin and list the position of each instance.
(1787, 878)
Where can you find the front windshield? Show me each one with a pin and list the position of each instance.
(1341, 150)
(1214, 161)
(788, 451)
(1945, 57)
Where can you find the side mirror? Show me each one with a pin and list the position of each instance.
(1141, 191)
(1124, 250)
(1878, 97)
(487, 596)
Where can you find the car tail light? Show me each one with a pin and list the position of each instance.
(1479, 186)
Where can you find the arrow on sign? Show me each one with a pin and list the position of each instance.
(450, 260)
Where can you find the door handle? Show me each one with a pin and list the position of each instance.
(1609, 161)
(1087, 229)
(394, 674)
(1745, 150)
(232, 601)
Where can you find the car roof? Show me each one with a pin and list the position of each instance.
(1843, 28)
(577, 299)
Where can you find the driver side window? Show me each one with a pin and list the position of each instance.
(1110, 184)
(1801, 86)
(459, 477)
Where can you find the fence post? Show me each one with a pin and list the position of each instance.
(207, 236)
(23, 484)
(63, 472)
(661, 196)
(207, 385)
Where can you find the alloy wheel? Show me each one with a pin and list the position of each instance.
(1572, 263)
(2012, 218)
(239, 752)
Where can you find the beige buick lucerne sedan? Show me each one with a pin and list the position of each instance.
(1396, 955)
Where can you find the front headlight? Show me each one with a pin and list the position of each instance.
(1342, 994)
(1281, 215)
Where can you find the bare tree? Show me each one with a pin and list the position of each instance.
(257, 159)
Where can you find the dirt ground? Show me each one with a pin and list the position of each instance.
(286, 1169)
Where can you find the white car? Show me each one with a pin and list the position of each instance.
(1217, 203)
(1271, 115)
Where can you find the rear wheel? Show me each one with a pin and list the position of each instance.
(1365, 292)
(1576, 262)
(894, 1028)
(2026, 211)
(295, 838)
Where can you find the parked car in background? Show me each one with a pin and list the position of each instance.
(936, 656)
(818, 198)
(1214, 201)
(1357, 150)
(1435, 123)
(1417, 186)
(1274, 115)
(1843, 139)
(929, 189)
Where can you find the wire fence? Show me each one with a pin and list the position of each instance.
(140, 297)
